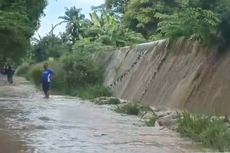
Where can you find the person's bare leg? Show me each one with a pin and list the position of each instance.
(48, 94)
(44, 94)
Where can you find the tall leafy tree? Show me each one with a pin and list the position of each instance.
(18, 21)
(106, 29)
(223, 12)
(207, 20)
(75, 21)
(140, 14)
(116, 6)
(190, 22)
(48, 46)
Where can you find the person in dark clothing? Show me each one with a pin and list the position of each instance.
(46, 80)
(9, 72)
(4, 70)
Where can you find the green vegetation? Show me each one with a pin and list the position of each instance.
(78, 78)
(117, 23)
(178, 24)
(130, 109)
(114, 101)
(213, 132)
(116, 6)
(76, 73)
(133, 109)
(93, 91)
(151, 121)
(204, 20)
(23, 69)
(34, 74)
(18, 21)
(48, 46)
(107, 101)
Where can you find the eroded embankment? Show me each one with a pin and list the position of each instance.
(183, 75)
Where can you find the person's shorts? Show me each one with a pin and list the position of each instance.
(46, 86)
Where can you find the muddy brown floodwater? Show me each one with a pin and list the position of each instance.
(62, 124)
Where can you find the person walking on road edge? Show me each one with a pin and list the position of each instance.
(9, 72)
(46, 80)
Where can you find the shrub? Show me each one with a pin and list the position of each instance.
(151, 121)
(133, 109)
(34, 74)
(189, 22)
(58, 82)
(213, 132)
(23, 69)
(80, 72)
(114, 101)
(107, 101)
(130, 109)
(91, 92)
(74, 75)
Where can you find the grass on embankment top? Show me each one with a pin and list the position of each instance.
(213, 132)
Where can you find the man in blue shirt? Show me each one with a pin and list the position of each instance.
(45, 78)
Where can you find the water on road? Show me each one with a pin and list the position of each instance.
(61, 124)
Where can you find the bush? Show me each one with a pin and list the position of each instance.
(91, 92)
(114, 101)
(80, 72)
(58, 82)
(34, 74)
(187, 22)
(213, 132)
(74, 75)
(23, 69)
(107, 101)
(151, 121)
(130, 109)
(133, 109)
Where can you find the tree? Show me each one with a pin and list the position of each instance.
(207, 19)
(223, 12)
(116, 6)
(140, 14)
(107, 30)
(196, 22)
(48, 46)
(74, 20)
(18, 21)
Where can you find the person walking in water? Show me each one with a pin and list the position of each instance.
(9, 72)
(46, 80)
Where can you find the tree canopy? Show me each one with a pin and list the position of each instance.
(117, 23)
(18, 21)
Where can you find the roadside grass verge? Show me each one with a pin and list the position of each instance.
(151, 121)
(212, 132)
(92, 92)
(132, 109)
(106, 101)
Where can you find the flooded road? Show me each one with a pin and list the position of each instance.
(62, 124)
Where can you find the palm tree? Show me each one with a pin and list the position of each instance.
(74, 20)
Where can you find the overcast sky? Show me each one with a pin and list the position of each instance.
(56, 8)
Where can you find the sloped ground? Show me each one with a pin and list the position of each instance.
(182, 75)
